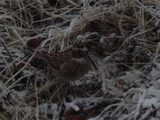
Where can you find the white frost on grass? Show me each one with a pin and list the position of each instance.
(43, 108)
(19, 54)
(77, 82)
(91, 73)
(3, 2)
(103, 39)
(71, 105)
(50, 109)
(100, 117)
(157, 23)
(87, 102)
(85, 79)
(96, 118)
(81, 38)
(27, 72)
(146, 99)
(152, 101)
(72, 25)
(87, 35)
(152, 96)
(130, 75)
(155, 72)
(108, 85)
(20, 94)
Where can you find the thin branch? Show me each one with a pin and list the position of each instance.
(3, 44)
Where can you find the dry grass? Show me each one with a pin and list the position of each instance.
(123, 43)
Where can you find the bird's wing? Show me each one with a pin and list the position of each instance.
(55, 60)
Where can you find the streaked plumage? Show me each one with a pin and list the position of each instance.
(70, 65)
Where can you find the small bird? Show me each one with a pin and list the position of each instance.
(71, 65)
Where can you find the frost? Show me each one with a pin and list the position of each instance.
(77, 82)
(103, 39)
(88, 35)
(71, 105)
(20, 94)
(155, 71)
(70, 28)
(157, 23)
(85, 101)
(19, 54)
(27, 72)
(149, 102)
(96, 118)
(3, 2)
(130, 75)
(81, 38)
(50, 109)
(112, 35)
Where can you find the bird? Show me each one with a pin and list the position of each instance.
(70, 65)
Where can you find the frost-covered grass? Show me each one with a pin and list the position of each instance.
(123, 42)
